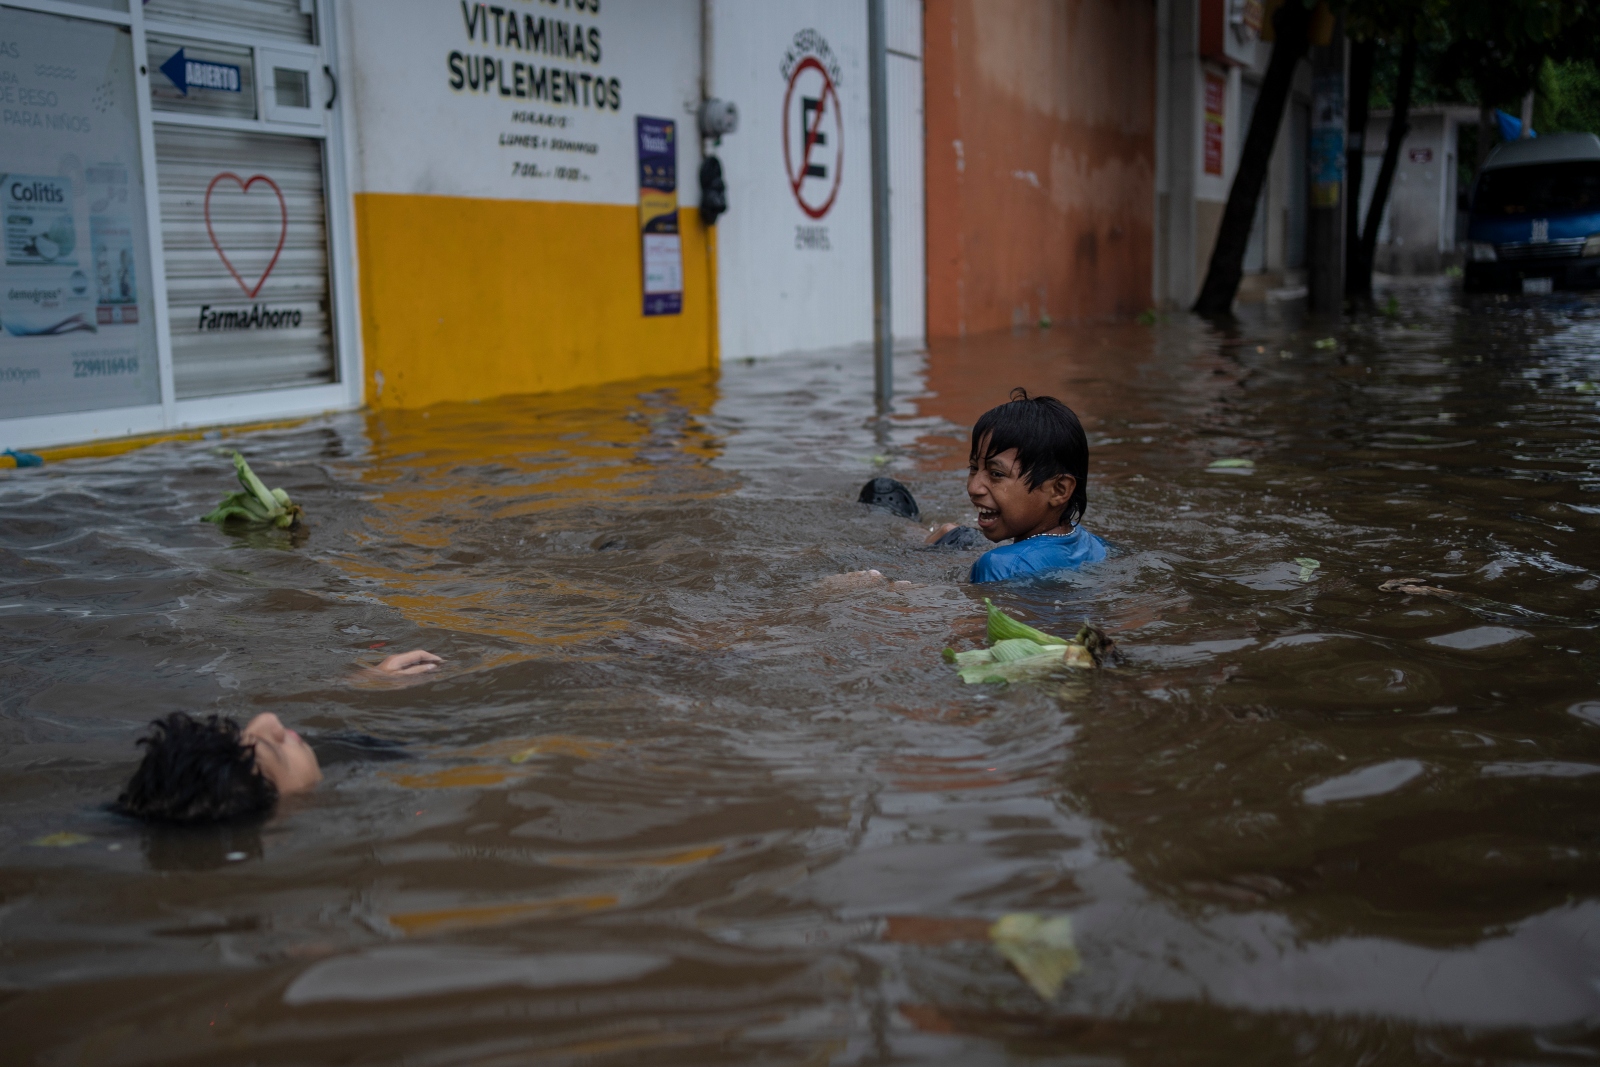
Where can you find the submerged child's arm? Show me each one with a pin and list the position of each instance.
(417, 661)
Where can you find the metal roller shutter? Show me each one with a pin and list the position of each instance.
(286, 20)
(244, 224)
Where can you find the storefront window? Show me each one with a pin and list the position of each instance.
(77, 326)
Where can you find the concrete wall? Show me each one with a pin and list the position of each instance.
(1418, 231)
(498, 229)
(1041, 161)
(795, 252)
(793, 279)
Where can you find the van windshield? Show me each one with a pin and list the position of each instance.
(1539, 189)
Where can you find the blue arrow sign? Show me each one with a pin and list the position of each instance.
(200, 74)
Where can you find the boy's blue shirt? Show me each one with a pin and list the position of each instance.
(1039, 555)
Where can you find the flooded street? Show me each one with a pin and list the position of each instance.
(678, 798)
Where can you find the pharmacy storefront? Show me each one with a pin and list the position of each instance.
(174, 218)
(223, 211)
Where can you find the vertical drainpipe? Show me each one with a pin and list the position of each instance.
(1325, 228)
(707, 91)
(878, 106)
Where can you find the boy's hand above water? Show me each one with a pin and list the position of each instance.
(417, 661)
(939, 531)
(872, 579)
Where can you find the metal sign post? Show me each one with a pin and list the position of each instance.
(878, 90)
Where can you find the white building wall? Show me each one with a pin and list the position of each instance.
(907, 163)
(1417, 235)
(415, 134)
(788, 281)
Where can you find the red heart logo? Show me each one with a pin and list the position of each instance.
(283, 232)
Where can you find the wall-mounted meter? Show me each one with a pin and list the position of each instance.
(718, 117)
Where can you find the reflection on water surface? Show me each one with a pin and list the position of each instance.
(678, 800)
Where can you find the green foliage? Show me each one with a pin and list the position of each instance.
(1568, 97)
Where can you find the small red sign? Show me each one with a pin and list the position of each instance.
(1422, 155)
(1216, 99)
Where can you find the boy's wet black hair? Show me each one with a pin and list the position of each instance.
(197, 771)
(890, 495)
(1049, 441)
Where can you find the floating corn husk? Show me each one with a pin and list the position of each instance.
(1017, 652)
(255, 503)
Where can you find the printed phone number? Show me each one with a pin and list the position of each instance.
(105, 368)
(533, 170)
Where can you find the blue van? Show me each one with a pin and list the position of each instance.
(1535, 216)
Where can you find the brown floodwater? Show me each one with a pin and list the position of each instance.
(678, 798)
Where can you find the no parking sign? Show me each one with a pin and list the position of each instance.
(813, 123)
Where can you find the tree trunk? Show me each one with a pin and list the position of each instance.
(1227, 256)
(1361, 56)
(1399, 126)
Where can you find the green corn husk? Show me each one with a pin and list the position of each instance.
(1003, 627)
(1017, 652)
(1027, 668)
(1015, 648)
(255, 503)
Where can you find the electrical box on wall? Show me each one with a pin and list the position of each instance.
(1229, 30)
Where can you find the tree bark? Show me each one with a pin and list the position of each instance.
(1289, 24)
(1361, 56)
(1399, 126)
(1486, 131)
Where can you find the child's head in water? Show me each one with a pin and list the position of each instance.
(209, 770)
(1028, 473)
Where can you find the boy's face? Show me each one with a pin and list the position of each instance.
(282, 756)
(1007, 508)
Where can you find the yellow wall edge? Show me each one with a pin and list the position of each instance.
(466, 299)
(116, 446)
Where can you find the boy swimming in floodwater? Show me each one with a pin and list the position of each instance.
(1028, 476)
(209, 770)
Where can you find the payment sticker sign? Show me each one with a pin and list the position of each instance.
(813, 126)
(658, 215)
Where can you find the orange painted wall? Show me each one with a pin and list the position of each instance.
(1041, 161)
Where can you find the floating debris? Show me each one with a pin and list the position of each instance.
(61, 840)
(1017, 652)
(1415, 587)
(1308, 567)
(1231, 465)
(1040, 948)
(23, 459)
(1326, 343)
(255, 504)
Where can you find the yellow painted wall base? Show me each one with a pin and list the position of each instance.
(465, 299)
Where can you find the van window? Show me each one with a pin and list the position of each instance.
(1539, 189)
